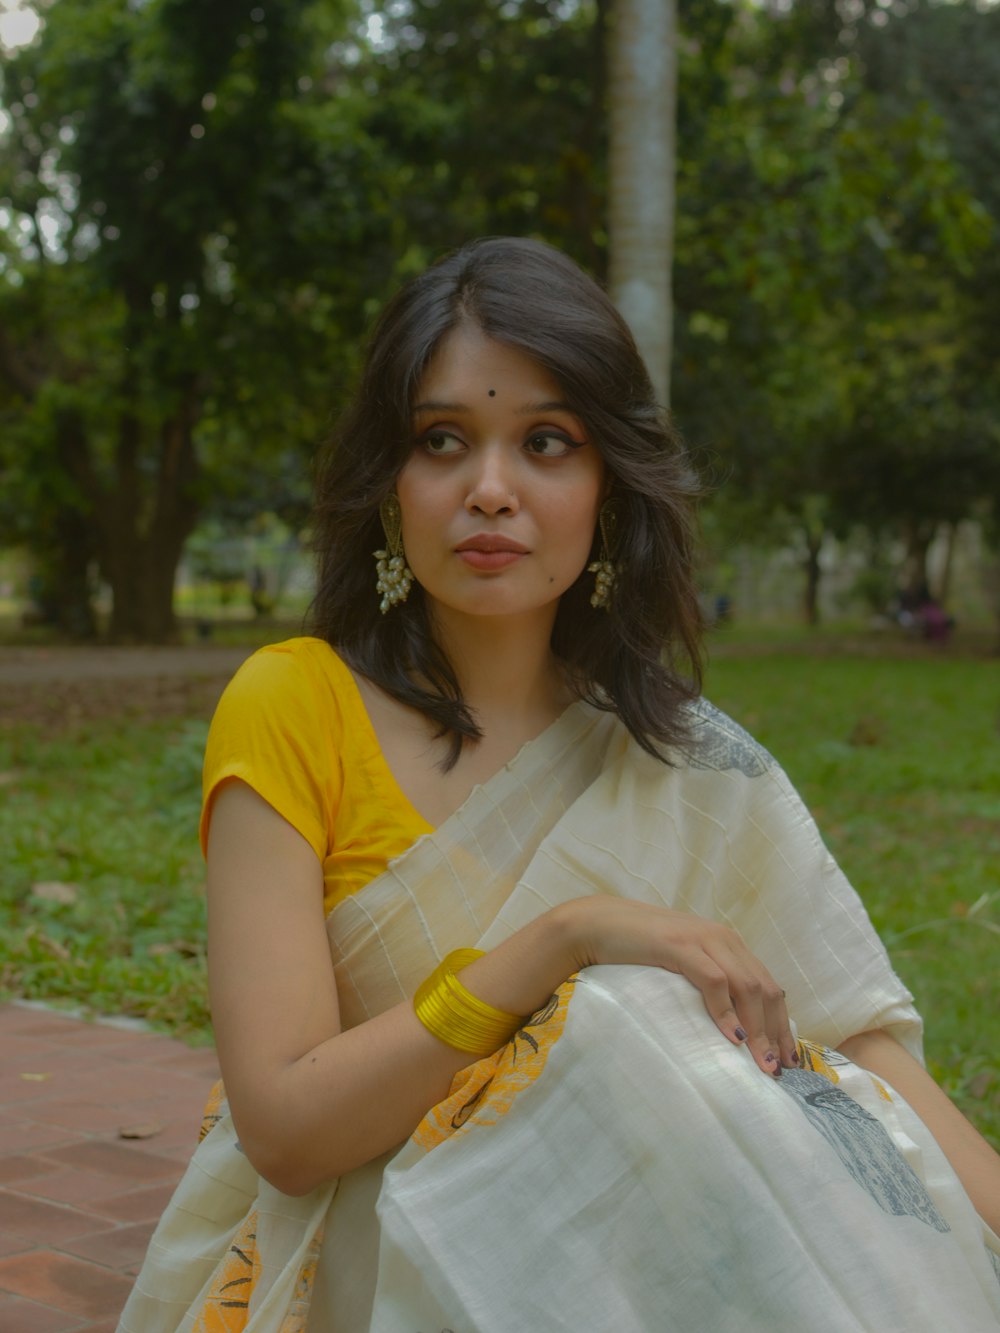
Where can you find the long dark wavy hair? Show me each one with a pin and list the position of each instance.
(641, 660)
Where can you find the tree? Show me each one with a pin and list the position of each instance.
(642, 96)
(826, 242)
(178, 198)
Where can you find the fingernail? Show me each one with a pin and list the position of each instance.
(770, 1058)
(795, 1057)
(740, 1034)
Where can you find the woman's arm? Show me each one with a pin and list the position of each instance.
(311, 1101)
(974, 1161)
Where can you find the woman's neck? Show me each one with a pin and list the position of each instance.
(505, 668)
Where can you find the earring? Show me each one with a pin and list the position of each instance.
(395, 578)
(603, 567)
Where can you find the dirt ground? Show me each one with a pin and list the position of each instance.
(56, 687)
(60, 686)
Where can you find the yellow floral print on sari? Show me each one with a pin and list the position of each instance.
(227, 1306)
(822, 1060)
(487, 1090)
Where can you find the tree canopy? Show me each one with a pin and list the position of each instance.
(201, 207)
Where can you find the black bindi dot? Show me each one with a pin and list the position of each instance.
(493, 393)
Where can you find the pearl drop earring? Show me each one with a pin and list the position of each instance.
(395, 578)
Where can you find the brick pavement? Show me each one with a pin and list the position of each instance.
(78, 1200)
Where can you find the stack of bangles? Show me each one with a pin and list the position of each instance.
(455, 1016)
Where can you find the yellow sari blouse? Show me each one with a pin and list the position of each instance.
(291, 724)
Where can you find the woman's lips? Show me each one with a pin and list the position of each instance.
(489, 559)
(488, 552)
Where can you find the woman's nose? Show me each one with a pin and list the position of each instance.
(492, 487)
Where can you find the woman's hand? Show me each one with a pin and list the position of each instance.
(743, 999)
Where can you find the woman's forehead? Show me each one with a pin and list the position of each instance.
(468, 365)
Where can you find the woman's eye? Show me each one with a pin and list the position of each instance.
(550, 446)
(438, 443)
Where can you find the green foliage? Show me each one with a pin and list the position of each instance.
(206, 204)
(829, 248)
(185, 196)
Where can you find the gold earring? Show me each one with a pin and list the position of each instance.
(604, 567)
(395, 578)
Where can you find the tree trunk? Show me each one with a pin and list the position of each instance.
(642, 91)
(943, 589)
(64, 546)
(918, 537)
(139, 560)
(66, 575)
(813, 572)
(141, 574)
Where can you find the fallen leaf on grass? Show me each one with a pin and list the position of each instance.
(186, 948)
(979, 1086)
(147, 1131)
(54, 891)
(868, 730)
(8, 779)
(35, 1078)
(53, 947)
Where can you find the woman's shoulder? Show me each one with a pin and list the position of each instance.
(280, 727)
(294, 661)
(719, 743)
(298, 687)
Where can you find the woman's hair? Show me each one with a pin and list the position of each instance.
(641, 659)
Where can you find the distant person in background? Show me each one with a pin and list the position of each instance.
(538, 1000)
(934, 621)
(919, 613)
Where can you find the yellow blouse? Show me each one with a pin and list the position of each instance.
(291, 724)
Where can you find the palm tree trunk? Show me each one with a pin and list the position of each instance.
(642, 93)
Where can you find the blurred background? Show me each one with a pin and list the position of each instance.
(202, 205)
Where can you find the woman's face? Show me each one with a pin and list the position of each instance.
(500, 496)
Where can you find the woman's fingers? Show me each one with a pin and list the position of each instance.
(741, 996)
(787, 1048)
(711, 979)
(759, 1004)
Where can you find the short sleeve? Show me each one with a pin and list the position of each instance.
(278, 729)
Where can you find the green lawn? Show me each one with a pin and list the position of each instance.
(899, 759)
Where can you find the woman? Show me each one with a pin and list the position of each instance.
(490, 742)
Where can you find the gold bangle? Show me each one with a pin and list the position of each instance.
(455, 1016)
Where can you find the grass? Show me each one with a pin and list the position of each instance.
(898, 757)
(101, 886)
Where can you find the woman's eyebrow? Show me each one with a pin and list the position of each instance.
(529, 409)
(535, 409)
(438, 405)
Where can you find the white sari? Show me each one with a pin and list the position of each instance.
(618, 1165)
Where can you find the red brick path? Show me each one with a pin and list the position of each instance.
(78, 1201)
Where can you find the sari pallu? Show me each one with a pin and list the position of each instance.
(618, 1164)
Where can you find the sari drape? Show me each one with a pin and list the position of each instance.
(618, 1164)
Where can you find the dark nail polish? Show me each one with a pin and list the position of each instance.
(770, 1058)
(795, 1057)
(741, 1035)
